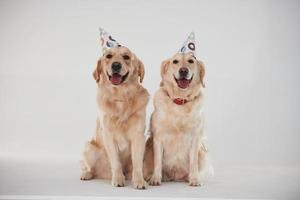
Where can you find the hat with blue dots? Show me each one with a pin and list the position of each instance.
(107, 41)
(189, 45)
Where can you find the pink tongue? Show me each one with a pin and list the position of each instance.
(116, 79)
(183, 83)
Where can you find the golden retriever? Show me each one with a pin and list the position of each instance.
(117, 149)
(175, 150)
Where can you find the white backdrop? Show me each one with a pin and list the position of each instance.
(48, 50)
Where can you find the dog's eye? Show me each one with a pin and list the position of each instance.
(108, 56)
(126, 57)
(175, 61)
(190, 61)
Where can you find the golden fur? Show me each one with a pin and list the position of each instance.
(175, 150)
(116, 151)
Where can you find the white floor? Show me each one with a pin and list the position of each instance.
(25, 179)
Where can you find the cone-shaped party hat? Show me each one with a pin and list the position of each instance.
(189, 45)
(107, 41)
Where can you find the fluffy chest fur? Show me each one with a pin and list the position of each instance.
(121, 114)
(119, 109)
(169, 117)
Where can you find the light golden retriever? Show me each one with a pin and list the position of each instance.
(117, 149)
(175, 150)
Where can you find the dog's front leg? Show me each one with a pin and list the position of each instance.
(137, 153)
(158, 151)
(194, 178)
(118, 178)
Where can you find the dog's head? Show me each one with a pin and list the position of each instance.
(183, 71)
(119, 66)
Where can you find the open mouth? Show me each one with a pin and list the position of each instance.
(116, 78)
(183, 82)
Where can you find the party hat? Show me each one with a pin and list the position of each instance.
(189, 45)
(107, 41)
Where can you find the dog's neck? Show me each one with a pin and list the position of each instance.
(120, 93)
(181, 100)
(181, 97)
(120, 103)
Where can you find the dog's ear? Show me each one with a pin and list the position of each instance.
(140, 68)
(201, 72)
(141, 71)
(97, 71)
(163, 70)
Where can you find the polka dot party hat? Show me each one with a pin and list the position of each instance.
(107, 41)
(189, 45)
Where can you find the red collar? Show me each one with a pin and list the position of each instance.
(180, 101)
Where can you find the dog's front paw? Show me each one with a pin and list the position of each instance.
(85, 175)
(139, 183)
(194, 181)
(155, 180)
(118, 180)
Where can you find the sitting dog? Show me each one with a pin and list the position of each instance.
(175, 150)
(117, 149)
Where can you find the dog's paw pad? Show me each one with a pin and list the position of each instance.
(154, 180)
(194, 182)
(118, 181)
(140, 184)
(86, 176)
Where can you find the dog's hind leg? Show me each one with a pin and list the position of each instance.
(206, 169)
(90, 157)
(95, 163)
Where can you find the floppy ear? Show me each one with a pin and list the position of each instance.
(140, 68)
(97, 71)
(202, 72)
(163, 70)
(163, 67)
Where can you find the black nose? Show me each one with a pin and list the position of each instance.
(116, 67)
(183, 72)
